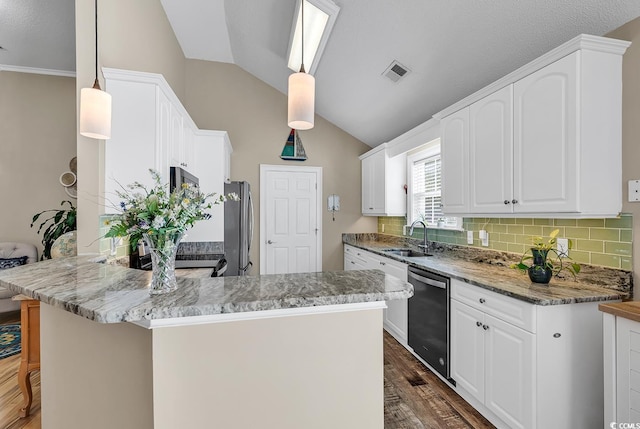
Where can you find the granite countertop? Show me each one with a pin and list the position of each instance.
(490, 270)
(108, 293)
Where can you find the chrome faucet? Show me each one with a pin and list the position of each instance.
(424, 225)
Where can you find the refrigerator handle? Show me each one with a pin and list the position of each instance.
(250, 224)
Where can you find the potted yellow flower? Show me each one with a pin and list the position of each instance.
(546, 261)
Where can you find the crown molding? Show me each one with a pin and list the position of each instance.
(33, 70)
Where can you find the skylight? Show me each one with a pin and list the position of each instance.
(319, 17)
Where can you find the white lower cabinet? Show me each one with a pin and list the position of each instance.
(493, 361)
(396, 320)
(621, 369)
(524, 365)
(354, 259)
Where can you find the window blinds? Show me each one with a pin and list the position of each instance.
(426, 189)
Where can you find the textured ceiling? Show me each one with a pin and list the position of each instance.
(38, 34)
(452, 47)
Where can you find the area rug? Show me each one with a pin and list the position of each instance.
(9, 340)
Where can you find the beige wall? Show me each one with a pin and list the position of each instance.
(222, 96)
(37, 141)
(631, 125)
(133, 35)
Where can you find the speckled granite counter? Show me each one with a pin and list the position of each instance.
(110, 293)
(490, 270)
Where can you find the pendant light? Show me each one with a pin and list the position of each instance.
(95, 104)
(302, 93)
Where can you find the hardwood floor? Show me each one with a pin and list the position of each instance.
(414, 397)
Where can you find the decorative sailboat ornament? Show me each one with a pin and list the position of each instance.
(293, 149)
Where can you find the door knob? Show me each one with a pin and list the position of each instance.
(478, 324)
(507, 201)
(514, 201)
(270, 242)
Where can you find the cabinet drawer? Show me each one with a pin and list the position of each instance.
(355, 253)
(510, 310)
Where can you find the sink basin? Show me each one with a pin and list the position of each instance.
(406, 252)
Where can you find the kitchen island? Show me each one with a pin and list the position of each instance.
(275, 351)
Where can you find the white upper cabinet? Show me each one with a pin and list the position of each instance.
(490, 153)
(455, 160)
(152, 130)
(544, 140)
(212, 150)
(383, 180)
(546, 152)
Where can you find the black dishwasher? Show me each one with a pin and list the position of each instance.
(429, 319)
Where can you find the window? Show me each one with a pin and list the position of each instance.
(425, 188)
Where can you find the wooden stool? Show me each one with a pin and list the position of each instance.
(30, 353)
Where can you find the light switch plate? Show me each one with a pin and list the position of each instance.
(469, 237)
(634, 191)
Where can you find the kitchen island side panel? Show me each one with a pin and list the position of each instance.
(94, 375)
(311, 371)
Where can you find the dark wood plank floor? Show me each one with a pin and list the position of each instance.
(414, 398)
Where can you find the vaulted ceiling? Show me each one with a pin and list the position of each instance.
(452, 47)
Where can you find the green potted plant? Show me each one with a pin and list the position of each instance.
(60, 222)
(546, 260)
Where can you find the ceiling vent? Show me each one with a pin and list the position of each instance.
(396, 71)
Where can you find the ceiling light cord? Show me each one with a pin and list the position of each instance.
(96, 83)
(302, 22)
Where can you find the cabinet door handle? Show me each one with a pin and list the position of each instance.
(478, 324)
(353, 262)
(507, 201)
(370, 208)
(482, 300)
(485, 327)
(514, 201)
(383, 263)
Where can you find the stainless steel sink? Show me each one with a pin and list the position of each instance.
(409, 253)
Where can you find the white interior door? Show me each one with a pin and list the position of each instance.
(290, 219)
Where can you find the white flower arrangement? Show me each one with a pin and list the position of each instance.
(158, 212)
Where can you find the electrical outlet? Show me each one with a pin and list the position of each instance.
(484, 237)
(634, 191)
(469, 237)
(562, 247)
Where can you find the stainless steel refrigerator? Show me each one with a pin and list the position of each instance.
(238, 229)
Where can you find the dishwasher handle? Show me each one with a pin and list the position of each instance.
(426, 280)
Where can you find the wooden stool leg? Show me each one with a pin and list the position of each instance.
(30, 353)
(24, 381)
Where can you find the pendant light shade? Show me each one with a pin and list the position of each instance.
(302, 94)
(95, 113)
(95, 104)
